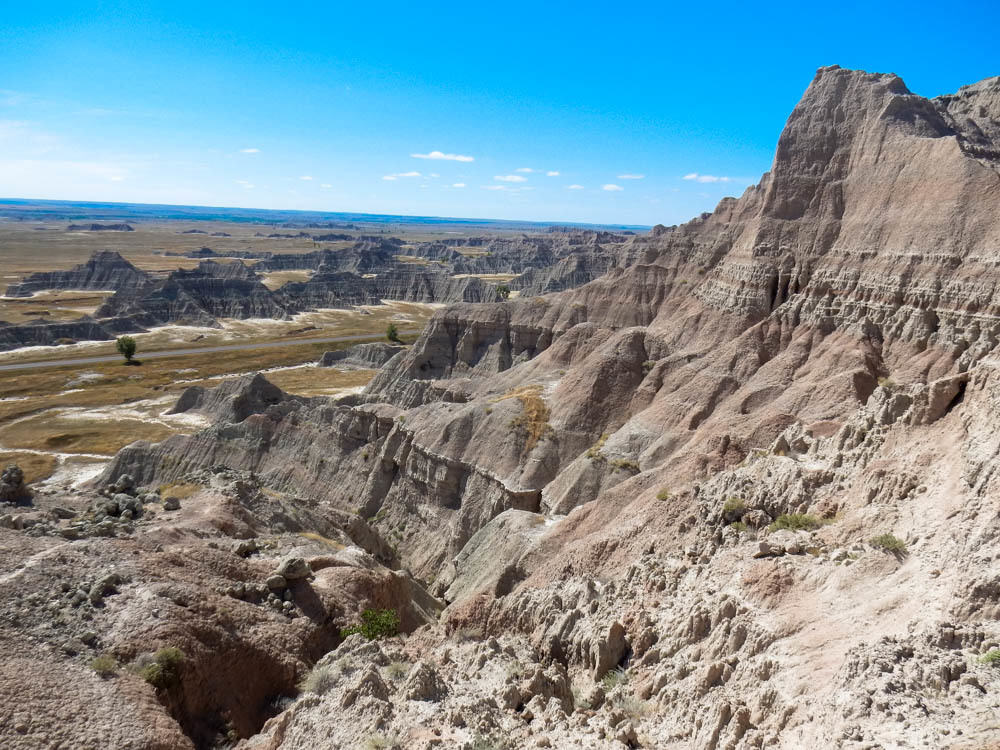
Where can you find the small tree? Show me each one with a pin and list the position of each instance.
(503, 292)
(392, 333)
(126, 347)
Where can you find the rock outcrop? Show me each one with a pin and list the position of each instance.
(105, 271)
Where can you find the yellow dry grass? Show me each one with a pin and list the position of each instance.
(179, 490)
(534, 417)
(36, 467)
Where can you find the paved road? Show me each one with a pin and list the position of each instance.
(196, 350)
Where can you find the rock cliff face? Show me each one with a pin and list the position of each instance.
(105, 271)
(738, 492)
(197, 297)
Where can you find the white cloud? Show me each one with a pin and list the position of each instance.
(551, 173)
(305, 177)
(612, 188)
(526, 170)
(245, 184)
(401, 174)
(574, 187)
(434, 174)
(326, 185)
(116, 178)
(389, 177)
(439, 155)
(494, 187)
(249, 150)
(706, 178)
(510, 178)
(631, 176)
(459, 184)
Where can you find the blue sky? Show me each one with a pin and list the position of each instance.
(318, 105)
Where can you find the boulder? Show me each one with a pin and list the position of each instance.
(294, 568)
(12, 486)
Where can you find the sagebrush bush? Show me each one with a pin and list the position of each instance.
(795, 522)
(889, 543)
(734, 506)
(397, 670)
(614, 678)
(164, 670)
(320, 679)
(663, 494)
(375, 624)
(105, 665)
(991, 657)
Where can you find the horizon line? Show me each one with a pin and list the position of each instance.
(442, 219)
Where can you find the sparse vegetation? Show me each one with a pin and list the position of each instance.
(375, 624)
(397, 670)
(105, 665)
(392, 333)
(889, 543)
(614, 678)
(648, 365)
(734, 506)
(380, 742)
(739, 527)
(594, 451)
(624, 464)
(126, 346)
(887, 382)
(663, 494)
(533, 420)
(320, 679)
(180, 490)
(991, 657)
(796, 522)
(503, 292)
(163, 670)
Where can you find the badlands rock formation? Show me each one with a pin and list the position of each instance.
(104, 271)
(738, 492)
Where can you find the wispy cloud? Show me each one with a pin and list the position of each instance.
(508, 188)
(245, 184)
(574, 187)
(401, 174)
(440, 155)
(631, 176)
(526, 170)
(510, 178)
(706, 178)
(389, 177)
(326, 185)
(552, 173)
(249, 150)
(306, 177)
(459, 185)
(612, 188)
(434, 174)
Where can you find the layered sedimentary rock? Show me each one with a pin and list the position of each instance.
(367, 356)
(104, 271)
(197, 296)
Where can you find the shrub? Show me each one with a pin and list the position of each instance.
(795, 522)
(594, 451)
(626, 465)
(503, 292)
(320, 679)
(991, 657)
(663, 494)
(734, 506)
(887, 382)
(614, 678)
(739, 527)
(889, 543)
(375, 624)
(163, 671)
(392, 333)
(105, 665)
(397, 670)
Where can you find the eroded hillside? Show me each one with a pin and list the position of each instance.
(740, 491)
